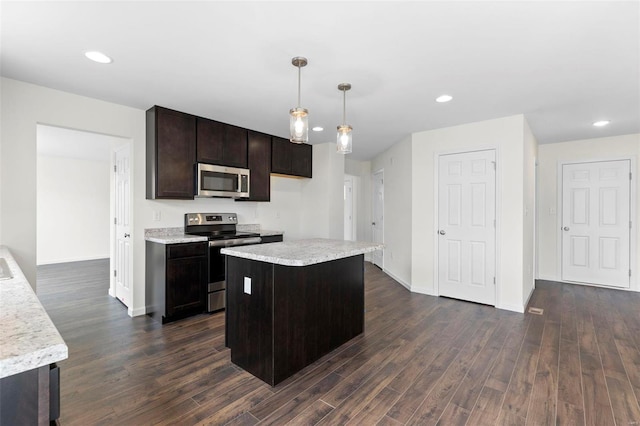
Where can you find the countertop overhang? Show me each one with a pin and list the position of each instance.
(302, 252)
(28, 338)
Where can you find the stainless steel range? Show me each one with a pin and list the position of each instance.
(220, 229)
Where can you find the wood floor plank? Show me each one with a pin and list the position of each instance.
(542, 409)
(434, 359)
(435, 403)
(375, 410)
(312, 415)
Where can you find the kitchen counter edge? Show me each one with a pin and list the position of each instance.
(302, 252)
(29, 338)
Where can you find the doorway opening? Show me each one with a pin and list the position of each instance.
(75, 193)
(377, 224)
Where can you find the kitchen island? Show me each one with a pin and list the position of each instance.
(30, 345)
(290, 303)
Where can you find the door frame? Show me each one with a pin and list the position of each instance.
(354, 230)
(633, 281)
(128, 143)
(373, 200)
(436, 222)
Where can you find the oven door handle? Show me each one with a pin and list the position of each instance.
(235, 242)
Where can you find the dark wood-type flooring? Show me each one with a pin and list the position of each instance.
(422, 360)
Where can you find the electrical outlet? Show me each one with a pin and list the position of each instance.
(552, 210)
(247, 285)
(157, 215)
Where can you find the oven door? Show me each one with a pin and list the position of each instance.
(216, 288)
(221, 181)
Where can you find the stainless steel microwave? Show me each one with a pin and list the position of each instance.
(222, 181)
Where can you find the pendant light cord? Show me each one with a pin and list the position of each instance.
(344, 107)
(299, 86)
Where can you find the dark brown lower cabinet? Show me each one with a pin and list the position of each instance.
(31, 397)
(293, 315)
(176, 279)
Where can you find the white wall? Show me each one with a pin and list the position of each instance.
(25, 105)
(398, 200)
(73, 209)
(322, 203)
(549, 156)
(506, 136)
(529, 200)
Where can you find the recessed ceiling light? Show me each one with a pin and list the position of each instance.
(99, 57)
(318, 129)
(444, 98)
(601, 123)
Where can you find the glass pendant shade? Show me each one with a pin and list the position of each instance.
(298, 116)
(344, 139)
(345, 135)
(299, 125)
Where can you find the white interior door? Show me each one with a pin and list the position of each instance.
(348, 209)
(123, 250)
(466, 226)
(595, 222)
(378, 217)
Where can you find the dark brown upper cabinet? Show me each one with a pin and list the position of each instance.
(291, 158)
(171, 154)
(259, 146)
(220, 143)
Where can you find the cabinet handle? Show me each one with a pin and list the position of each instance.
(127, 235)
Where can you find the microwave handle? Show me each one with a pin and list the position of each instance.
(239, 187)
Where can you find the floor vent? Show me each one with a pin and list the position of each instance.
(536, 311)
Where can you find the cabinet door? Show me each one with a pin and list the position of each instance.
(175, 154)
(220, 143)
(234, 150)
(186, 283)
(210, 138)
(290, 158)
(260, 166)
(301, 158)
(280, 156)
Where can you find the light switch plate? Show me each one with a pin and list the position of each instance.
(247, 285)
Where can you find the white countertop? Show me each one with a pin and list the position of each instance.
(177, 235)
(302, 252)
(28, 338)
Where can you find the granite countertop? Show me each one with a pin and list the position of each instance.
(177, 235)
(302, 252)
(171, 236)
(28, 338)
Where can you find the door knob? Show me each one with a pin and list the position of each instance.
(441, 232)
(127, 235)
(566, 228)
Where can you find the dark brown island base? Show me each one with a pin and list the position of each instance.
(290, 303)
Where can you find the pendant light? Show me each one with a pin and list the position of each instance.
(299, 117)
(344, 130)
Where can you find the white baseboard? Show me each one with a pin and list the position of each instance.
(136, 312)
(422, 290)
(112, 292)
(402, 282)
(512, 308)
(548, 278)
(82, 259)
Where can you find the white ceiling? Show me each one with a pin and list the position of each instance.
(562, 64)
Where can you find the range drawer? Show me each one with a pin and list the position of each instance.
(175, 251)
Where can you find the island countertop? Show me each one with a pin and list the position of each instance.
(302, 252)
(28, 338)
